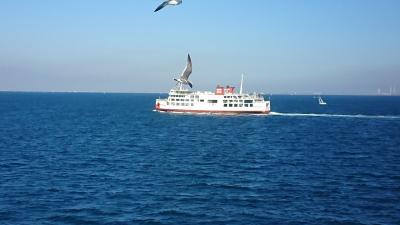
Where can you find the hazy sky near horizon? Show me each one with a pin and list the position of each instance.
(282, 46)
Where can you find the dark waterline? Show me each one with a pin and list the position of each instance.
(73, 158)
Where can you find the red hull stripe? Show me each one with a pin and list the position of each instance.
(210, 111)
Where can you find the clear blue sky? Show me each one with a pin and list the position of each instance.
(283, 46)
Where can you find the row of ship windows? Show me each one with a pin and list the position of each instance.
(196, 96)
(240, 101)
(173, 99)
(180, 104)
(225, 105)
(238, 105)
(212, 100)
(192, 100)
(182, 96)
(232, 96)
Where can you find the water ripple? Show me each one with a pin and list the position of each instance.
(108, 159)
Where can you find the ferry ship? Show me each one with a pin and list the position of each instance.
(223, 100)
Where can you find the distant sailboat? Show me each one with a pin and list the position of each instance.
(320, 101)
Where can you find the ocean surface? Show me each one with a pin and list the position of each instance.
(73, 158)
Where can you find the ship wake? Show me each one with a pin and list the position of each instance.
(334, 115)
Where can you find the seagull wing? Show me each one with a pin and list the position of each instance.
(188, 69)
(161, 6)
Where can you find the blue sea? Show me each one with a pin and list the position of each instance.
(80, 158)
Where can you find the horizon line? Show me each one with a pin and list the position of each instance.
(115, 92)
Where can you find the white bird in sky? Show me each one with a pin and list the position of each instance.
(183, 79)
(168, 2)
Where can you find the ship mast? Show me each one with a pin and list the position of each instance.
(241, 85)
(180, 86)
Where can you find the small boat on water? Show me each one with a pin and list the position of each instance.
(320, 101)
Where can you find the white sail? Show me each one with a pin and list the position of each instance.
(320, 101)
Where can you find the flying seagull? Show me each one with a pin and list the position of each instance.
(183, 79)
(168, 2)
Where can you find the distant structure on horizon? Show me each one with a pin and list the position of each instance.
(391, 91)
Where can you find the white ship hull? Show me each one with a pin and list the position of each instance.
(210, 110)
(208, 102)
